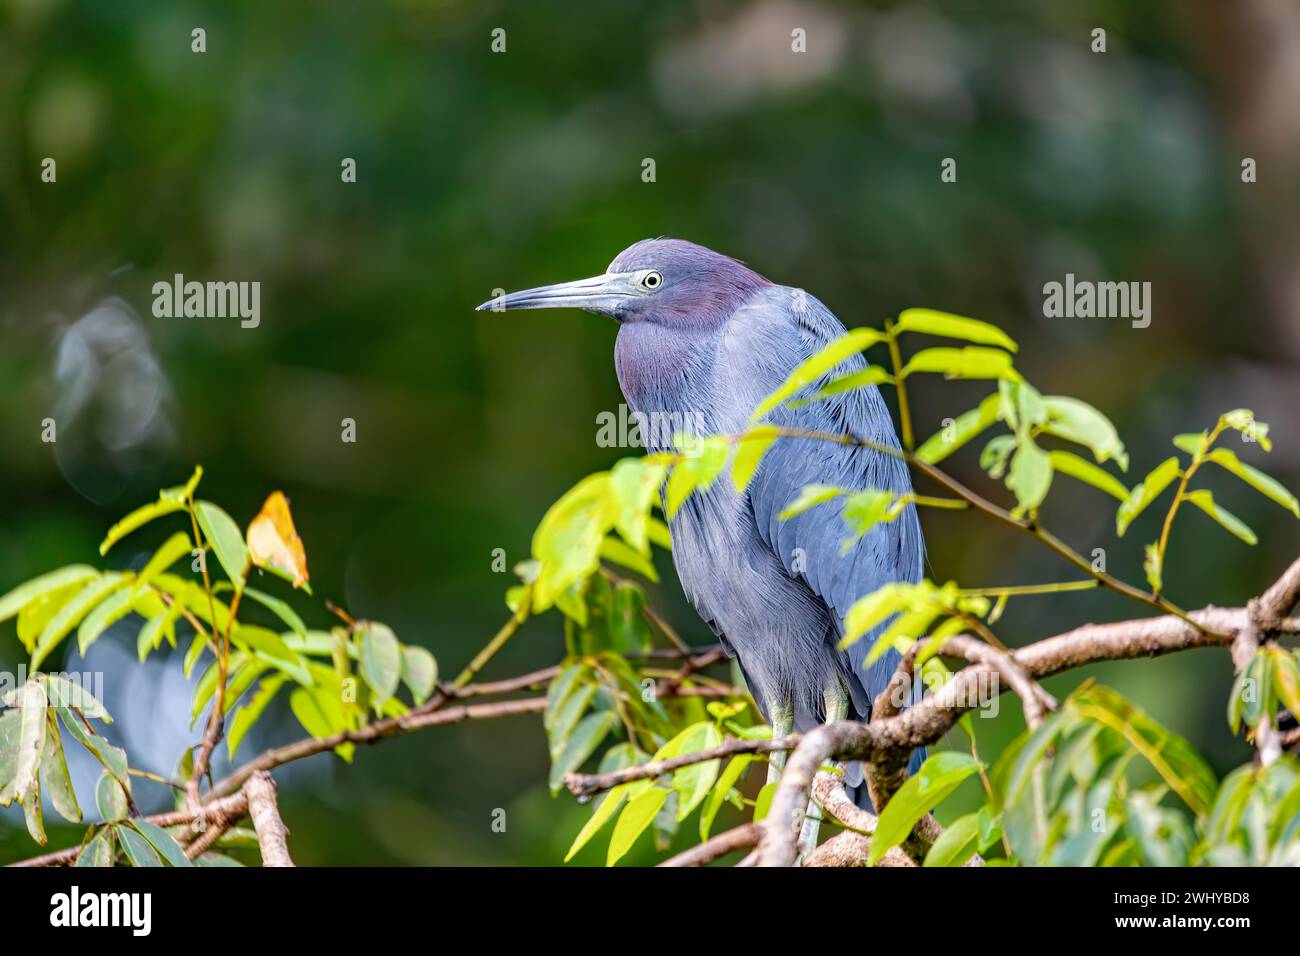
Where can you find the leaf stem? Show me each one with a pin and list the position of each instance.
(896, 360)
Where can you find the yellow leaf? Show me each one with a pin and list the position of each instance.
(273, 542)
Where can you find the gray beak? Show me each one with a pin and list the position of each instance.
(604, 295)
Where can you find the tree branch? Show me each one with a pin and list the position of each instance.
(885, 742)
(585, 785)
(272, 837)
(741, 838)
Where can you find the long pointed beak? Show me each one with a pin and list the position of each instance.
(604, 295)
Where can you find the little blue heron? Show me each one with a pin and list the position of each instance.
(703, 338)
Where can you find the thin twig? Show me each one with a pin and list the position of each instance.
(585, 785)
(740, 838)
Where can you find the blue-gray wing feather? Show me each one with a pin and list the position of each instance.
(811, 545)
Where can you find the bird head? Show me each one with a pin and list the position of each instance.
(669, 282)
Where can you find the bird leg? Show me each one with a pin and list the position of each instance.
(836, 698)
(782, 714)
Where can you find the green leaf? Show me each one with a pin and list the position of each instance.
(1071, 464)
(380, 660)
(938, 777)
(567, 717)
(270, 647)
(970, 362)
(137, 519)
(161, 841)
(956, 844)
(750, 449)
(634, 483)
(726, 781)
(703, 462)
(932, 322)
(1286, 678)
(226, 539)
(112, 758)
(112, 609)
(815, 366)
(1259, 678)
(280, 609)
(993, 458)
(1147, 491)
(871, 609)
(419, 672)
(63, 692)
(25, 593)
(1205, 501)
(962, 429)
(616, 551)
(863, 378)
(763, 802)
(10, 734)
(110, 799)
(582, 743)
(810, 496)
(1019, 761)
(632, 822)
(99, 851)
(54, 773)
(72, 613)
(319, 713)
(1192, 444)
(600, 815)
(32, 813)
(207, 685)
(1030, 476)
(561, 688)
(628, 630)
(138, 849)
(173, 549)
(694, 781)
(1264, 484)
(865, 509)
(31, 739)
(247, 715)
(185, 492)
(1079, 422)
(567, 540)
(1153, 564)
(1243, 420)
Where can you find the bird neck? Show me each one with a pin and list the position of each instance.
(667, 373)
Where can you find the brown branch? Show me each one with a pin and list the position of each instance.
(741, 838)
(214, 811)
(433, 713)
(272, 837)
(886, 742)
(585, 785)
(886, 776)
(834, 800)
(370, 733)
(849, 848)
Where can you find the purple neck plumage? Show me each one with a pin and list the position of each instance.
(660, 351)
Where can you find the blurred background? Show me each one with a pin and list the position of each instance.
(478, 171)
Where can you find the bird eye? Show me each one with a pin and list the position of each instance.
(651, 280)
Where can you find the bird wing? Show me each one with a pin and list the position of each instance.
(811, 546)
